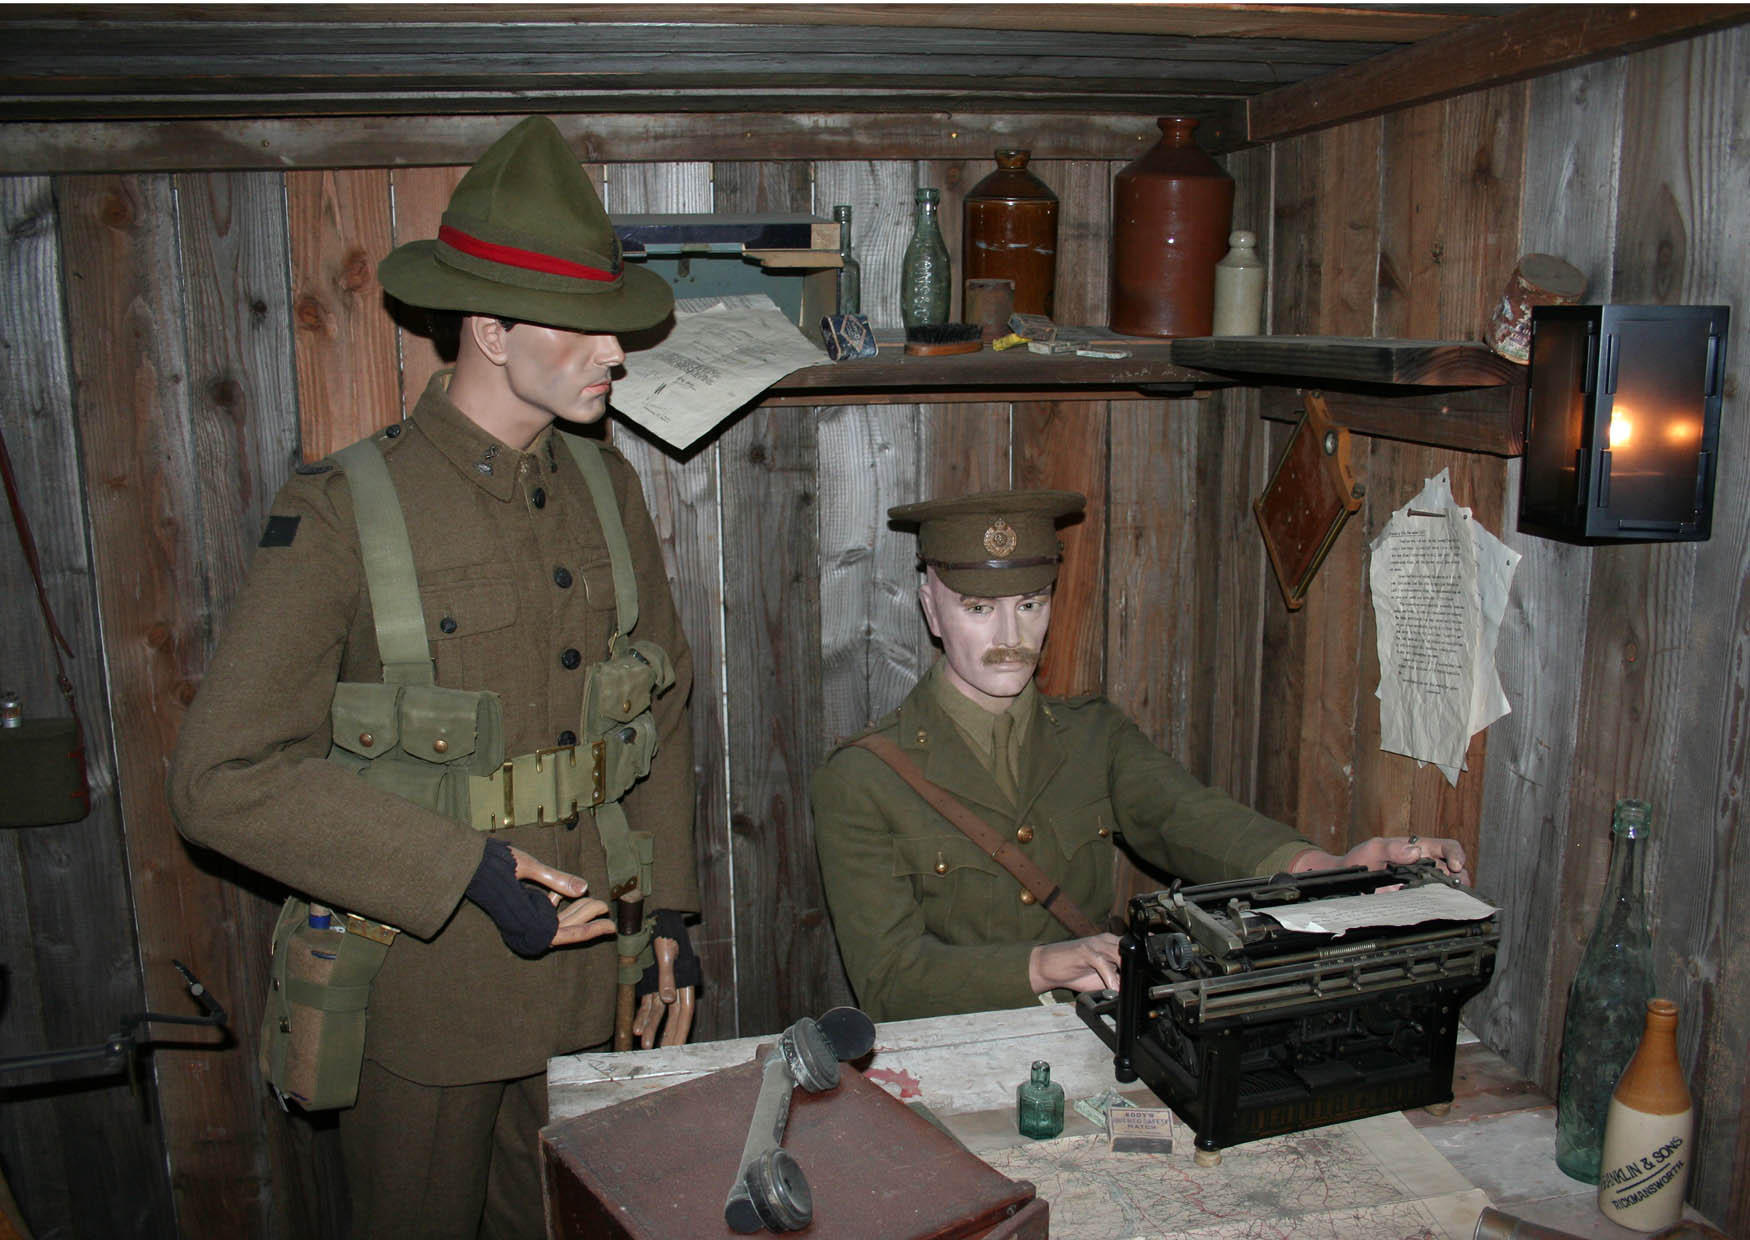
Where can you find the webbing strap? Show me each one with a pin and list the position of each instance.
(388, 559)
(588, 455)
(998, 848)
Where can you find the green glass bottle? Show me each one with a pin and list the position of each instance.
(850, 271)
(1039, 1104)
(925, 278)
(1607, 1001)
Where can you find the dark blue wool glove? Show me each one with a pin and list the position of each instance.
(672, 925)
(525, 917)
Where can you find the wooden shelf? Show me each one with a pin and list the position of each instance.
(1444, 393)
(1401, 363)
(894, 377)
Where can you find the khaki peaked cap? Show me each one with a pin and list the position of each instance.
(525, 237)
(994, 543)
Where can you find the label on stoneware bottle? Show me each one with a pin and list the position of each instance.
(1645, 1169)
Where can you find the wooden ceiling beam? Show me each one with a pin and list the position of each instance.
(1490, 52)
(1325, 22)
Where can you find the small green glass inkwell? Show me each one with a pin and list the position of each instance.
(1039, 1104)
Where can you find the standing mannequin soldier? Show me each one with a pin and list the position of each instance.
(928, 923)
(452, 730)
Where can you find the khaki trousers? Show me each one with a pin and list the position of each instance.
(433, 1162)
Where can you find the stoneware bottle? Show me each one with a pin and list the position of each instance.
(1010, 233)
(1172, 210)
(1648, 1132)
(1239, 288)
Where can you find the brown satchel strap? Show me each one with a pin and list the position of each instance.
(974, 828)
(27, 544)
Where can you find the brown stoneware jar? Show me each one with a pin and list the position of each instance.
(1010, 233)
(1171, 213)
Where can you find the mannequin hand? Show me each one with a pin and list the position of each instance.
(1079, 964)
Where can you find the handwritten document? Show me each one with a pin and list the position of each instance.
(723, 352)
(1440, 583)
(1407, 906)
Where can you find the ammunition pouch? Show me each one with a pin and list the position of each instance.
(313, 1031)
(420, 742)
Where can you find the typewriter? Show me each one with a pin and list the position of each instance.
(1249, 1028)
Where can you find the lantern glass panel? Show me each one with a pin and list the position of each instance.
(1622, 422)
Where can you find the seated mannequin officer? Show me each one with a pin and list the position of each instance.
(927, 922)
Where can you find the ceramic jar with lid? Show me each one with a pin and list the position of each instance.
(1009, 232)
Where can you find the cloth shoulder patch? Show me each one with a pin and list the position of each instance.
(279, 532)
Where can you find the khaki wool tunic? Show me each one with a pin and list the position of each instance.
(517, 590)
(929, 925)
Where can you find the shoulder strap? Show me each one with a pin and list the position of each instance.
(995, 846)
(588, 455)
(388, 560)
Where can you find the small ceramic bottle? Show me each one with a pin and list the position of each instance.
(1239, 288)
(1648, 1132)
(1039, 1104)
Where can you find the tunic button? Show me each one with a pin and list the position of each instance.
(539, 498)
(1103, 832)
(1025, 835)
(941, 865)
(567, 737)
(440, 745)
(393, 432)
(447, 624)
(1027, 897)
(366, 739)
(923, 737)
(562, 577)
(569, 659)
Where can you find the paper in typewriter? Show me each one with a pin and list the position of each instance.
(1408, 906)
(1372, 1179)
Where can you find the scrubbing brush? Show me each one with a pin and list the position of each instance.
(936, 339)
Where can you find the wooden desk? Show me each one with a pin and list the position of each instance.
(1499, 1134)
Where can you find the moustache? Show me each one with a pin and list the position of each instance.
(996, 656)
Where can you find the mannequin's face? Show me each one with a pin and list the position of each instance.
(991, 645)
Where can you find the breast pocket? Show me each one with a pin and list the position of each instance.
(467, 621)
(1083, 836)
(959, 888)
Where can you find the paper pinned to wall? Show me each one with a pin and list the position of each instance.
(723, 352)
(1440, 583)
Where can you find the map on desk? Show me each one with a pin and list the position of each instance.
(1375, 1179)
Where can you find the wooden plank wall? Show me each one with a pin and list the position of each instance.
(1626, 666)
(177, 342)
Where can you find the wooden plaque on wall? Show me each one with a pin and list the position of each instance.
(1309, 498)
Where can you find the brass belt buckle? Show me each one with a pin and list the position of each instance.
(509, 769)
(541, 756)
